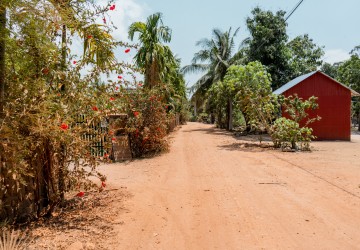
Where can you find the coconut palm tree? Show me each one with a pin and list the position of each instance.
(152, 55)
(215, 57)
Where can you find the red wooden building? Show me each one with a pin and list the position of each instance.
(334, 101)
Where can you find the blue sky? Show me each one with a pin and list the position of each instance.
(330, 23)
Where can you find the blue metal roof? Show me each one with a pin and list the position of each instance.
(299, 79)
(292, 83)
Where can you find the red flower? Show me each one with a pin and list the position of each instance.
(104, 20)
(140, 85)
(45, 71)
(112, 99)
(103, 184)
(74, 62)
(127, 50)
(95, 108)
(112, 7)
(113, 139)
(111, 132)
(64, 126)
(80, 194)
(89, 36)
(119, 77)
(116, 88)
(136, 113)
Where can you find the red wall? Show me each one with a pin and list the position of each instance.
(334, 106)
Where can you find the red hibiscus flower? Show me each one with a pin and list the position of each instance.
(103, 184)
(112, 7)
(80, 194)
(89, 36)
(74, 62)
(119, 77)
(64, 126)
(116, 88)
(127, 50)
(140, 84)
(112, 99)
(104, 20)
(95, 108)
(136, 113)
(45, 71)
(113, 139)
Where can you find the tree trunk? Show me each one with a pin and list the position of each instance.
(195, 107)
(63, 53)
(359, 121)
(152, 75)
(2, 59)
(61, 172)
(230, 115)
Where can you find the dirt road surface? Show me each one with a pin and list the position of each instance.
(215, 191)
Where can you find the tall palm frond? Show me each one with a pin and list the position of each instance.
(214, 58)
(152, 55)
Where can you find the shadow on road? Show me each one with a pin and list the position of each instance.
(247, 143)
(247, 147)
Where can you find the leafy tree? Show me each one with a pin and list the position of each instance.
(267, 43)
(45, 128)
(152, 55)
(215, 57)
(330, 69)
(348, 73)
(251, 85)
(305, 55)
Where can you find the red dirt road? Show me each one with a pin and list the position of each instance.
(215, 191)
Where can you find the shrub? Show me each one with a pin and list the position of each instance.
(148, 122)
(287, 134)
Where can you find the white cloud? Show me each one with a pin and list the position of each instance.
(335, 55)
(125, 13)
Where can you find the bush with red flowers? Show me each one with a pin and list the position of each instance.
(147, 121)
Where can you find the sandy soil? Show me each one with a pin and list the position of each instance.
(216, 191)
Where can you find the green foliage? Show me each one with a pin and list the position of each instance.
(348, 73)
(48, 132)
(214, 58)
(153, 57)
(287, 133)
(330, 69)
(305, 55)
(251, 85)
(148, 121)
(297, 108)
(267, 43)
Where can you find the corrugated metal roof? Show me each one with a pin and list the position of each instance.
(299, 79)
(292, 83)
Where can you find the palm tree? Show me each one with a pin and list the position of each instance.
(152, 56)
(215, 57)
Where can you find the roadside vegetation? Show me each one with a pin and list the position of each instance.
(235, 91)
(55, 101)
